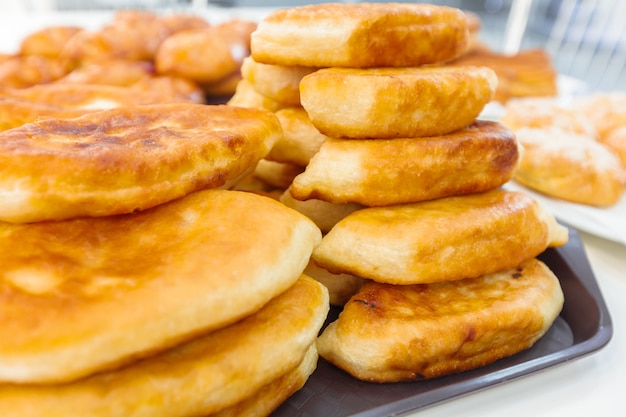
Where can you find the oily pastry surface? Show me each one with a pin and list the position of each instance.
(389, 333)
(360, 35)
(395, 102)
(382, 172)
(206, 375)
(127, 159)
(569, 166)
(82, 295)
(440, 240)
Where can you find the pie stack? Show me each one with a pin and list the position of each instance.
(132, 283)
(433, 264)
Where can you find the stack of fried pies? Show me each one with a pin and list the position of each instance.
(432, 262)
(134, 282)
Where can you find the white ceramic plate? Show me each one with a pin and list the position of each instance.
(608, 223)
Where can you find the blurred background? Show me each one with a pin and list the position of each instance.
(586, 39)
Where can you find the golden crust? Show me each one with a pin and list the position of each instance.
(360, 35)
(201, 377)
(269, 397)
(115, 288)
(395, 102)
(127, 159)
(246, 96)
(389, 333)
(278, 82)
(381, 172)
(569, 166)
(300, 141)
(441, 240)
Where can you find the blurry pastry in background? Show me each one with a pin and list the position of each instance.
(616, 141)
(90, 96)
(173, 88)
(29, 70)
(131, 35)
(208, 55)
(120, 72)
(569, 166)
(606, 111)
(528, 73)
(539, 112)
(48, 42)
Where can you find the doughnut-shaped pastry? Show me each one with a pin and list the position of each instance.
(381, 172)
(395, 102)
(440, 240)
(390, 333)
(360, 35)
(127, 159)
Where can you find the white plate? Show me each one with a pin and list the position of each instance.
(608, 223)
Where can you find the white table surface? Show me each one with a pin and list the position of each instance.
(590, 386)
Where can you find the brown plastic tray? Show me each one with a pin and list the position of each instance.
(583, 327)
